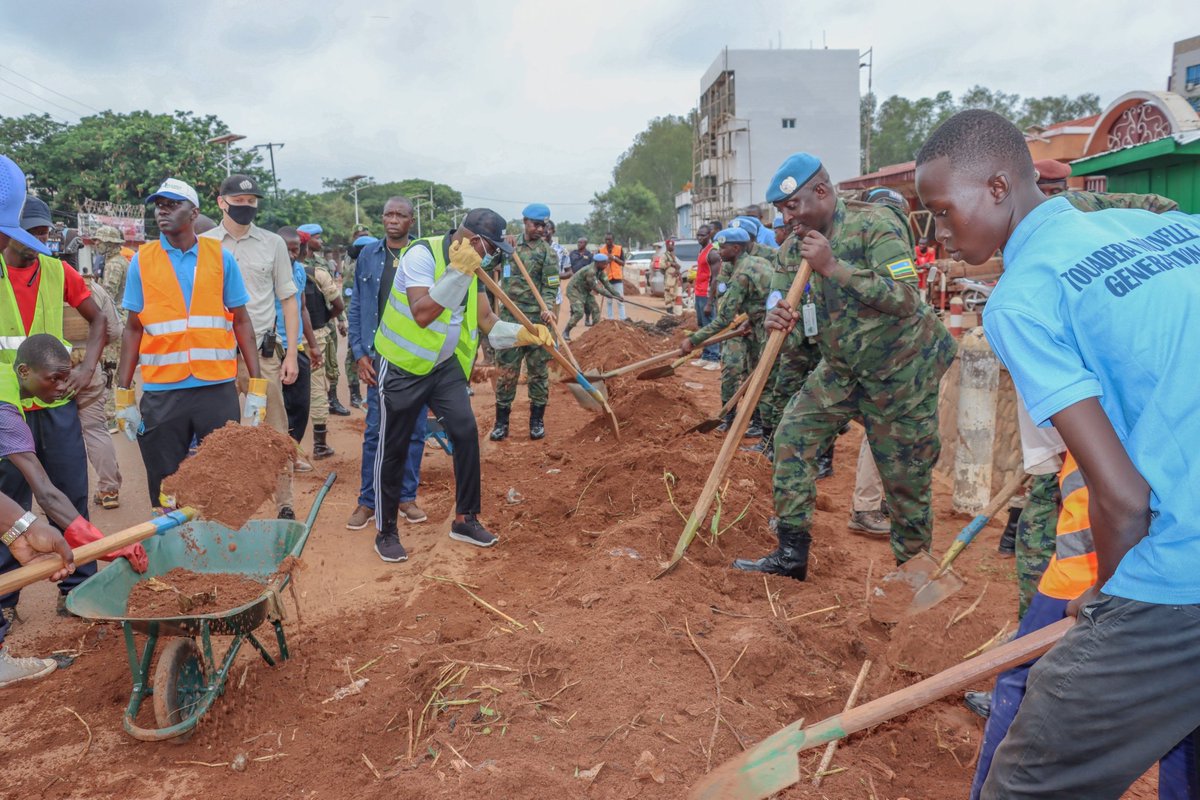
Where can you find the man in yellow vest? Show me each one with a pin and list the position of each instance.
(426, 343)
(187, 322)
(33, 291)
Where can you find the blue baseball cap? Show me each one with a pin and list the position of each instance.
(600, 257)
(12, 201)
(778, 223)
(795, 171)
(732, 236)
(752, 225)
(538, 212)
(311, 228)
(363, 241)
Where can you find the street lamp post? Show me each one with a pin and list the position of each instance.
(870, 65)
(274, 178)
(354, 179)
(227, 140)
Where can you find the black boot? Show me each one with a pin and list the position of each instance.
(755, 429)
(1008, 539)
(320, 448)
(790, 557)
(537, 427)
(500, 430)
(335, 405)
(356, 400)
(763, 445)
(825, 464)
(726, 423)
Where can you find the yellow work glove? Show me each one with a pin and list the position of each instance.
(256, 401)
(540, 336)
(463, 257)
(129, 417)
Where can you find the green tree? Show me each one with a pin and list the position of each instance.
(660, 159)
(571, 232)
(1044, 111)
(629, 211)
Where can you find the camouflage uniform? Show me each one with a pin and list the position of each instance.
(328, 340)
(1036, 533)
(347, 291)
(1098, 201)
(542, 264)
(883, 354)
(671, 271)
(115, 268)
(747, 281)
(579, 293)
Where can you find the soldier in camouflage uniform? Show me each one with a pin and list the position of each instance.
(542, 264)
(108, 242)
(668, 262)
(589, 279)
(356, 400)
(883, 352)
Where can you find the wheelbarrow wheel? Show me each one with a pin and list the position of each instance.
(179, 684)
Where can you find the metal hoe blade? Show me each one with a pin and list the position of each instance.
(898, 592)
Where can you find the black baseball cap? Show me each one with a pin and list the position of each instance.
(239, 184)
(488, 224)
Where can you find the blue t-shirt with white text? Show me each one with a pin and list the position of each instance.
(1106, 304)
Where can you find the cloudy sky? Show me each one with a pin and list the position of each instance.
(512, 102)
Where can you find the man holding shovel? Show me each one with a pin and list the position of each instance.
(542, 264)
(426, 343)
(883, 353)
(588, 279)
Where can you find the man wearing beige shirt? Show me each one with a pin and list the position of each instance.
(266, 270)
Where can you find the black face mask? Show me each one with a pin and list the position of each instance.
(242, 215)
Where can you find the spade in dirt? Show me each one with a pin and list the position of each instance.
(734, 331)
(598, 378)
(712, 423)
(922, 582)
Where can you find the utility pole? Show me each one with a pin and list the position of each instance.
(353, 180)
(870, 65)
(227, 140)
(271, 149)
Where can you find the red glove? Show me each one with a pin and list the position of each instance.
(81, 532)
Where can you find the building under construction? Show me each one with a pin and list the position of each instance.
(756, 108)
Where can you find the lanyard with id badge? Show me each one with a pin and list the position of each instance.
(808, 310)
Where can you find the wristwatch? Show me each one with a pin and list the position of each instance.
(18, 528)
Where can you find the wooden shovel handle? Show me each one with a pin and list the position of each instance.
(729, 333)
(86, 554)
(507, 302)
(545, 309)
(733, 437)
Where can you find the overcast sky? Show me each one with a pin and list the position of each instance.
(512, 102)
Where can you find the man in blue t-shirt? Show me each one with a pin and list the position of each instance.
(1095, 319)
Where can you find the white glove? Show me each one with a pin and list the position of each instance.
(451, 288)
(503, 335)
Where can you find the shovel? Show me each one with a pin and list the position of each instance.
(566, 348)
(648, 308)
(585, 394)
(771, 766)
(661, 357)
(668, 370)
(930, 581)
(712, 424)
(733, 437)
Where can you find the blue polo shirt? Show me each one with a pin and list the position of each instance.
(300, 278)
(234, 294)
(1106, 304)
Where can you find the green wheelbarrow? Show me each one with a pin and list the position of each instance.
(187, 678)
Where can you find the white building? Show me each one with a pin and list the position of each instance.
(757, 107)
(1185, 70)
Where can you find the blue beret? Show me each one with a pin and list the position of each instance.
(751, 225)
(536, 211)
(311, 228)
(732, 236)
(600, 257)
(778, 223)
(363, 241)
(791, 175)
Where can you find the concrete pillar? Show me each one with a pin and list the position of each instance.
(979, 382)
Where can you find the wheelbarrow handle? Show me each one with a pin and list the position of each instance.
(313, 512)
(86, 554)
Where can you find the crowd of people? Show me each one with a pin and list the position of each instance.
(1092, 319)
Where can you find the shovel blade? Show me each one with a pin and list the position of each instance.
(892, 598)
(765, 769)
(936, 591)
(585, 398)
(654, 373)
(706, 426)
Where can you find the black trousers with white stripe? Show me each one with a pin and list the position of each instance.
(402, 398)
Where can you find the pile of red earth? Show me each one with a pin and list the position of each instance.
(610, 344)
(233, 473)
(181, 592)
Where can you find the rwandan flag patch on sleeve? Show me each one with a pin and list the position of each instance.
(902, 270)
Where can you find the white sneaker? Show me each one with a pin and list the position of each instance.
(712, 366)
(699, 362)
(14, 670)
(302, 465)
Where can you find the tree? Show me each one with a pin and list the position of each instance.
(122, 158)
(629, 211)
(1044, 111)
(660, 159)
(571, 232)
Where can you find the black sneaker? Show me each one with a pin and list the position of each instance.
(472, 532)
(388, 546)
(979, 702)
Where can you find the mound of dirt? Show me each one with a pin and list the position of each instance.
(610, 344)
(182, 592)
(233, 473)
(647, 410)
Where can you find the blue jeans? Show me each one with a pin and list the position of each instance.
(1176, 770)
(713, 351)
(412, 465)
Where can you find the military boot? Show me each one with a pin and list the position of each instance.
(726, 423)
(755, 429)
(356, 400)
(537, 427)
(1008, 539)
(500, 429)
(321, 449)
(763, 445)
(789, 559)
(335, 405)
(824, 464)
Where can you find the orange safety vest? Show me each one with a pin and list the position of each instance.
(179, 342)
(614, 269)
(1073, 567)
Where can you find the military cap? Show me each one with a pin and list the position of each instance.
(537, 212)
(363, 241)
(109, 233)
(791, 175)
(732, 236)
(778, 223)
(1050, 169)
(750, 224)
(600, 258)
(311, 228)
